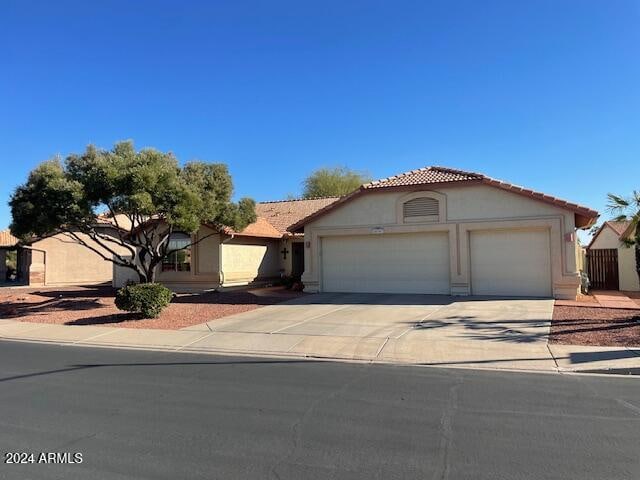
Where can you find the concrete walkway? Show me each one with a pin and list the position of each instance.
(604, 299)
(401, 329)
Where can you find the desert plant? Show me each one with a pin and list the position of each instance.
(147, 299)
(628, 210)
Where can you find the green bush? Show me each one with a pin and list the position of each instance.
(148, 299)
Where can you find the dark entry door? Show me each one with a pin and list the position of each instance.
(297, 259)
(603, 269)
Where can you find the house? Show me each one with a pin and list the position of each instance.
(438, 230)
(611, 263)
(262, 252)
(434, 230)
(59, 260)
(8, 243)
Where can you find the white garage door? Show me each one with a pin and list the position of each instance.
(511, 263)
(389, 263)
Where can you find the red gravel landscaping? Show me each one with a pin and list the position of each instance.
(595, 326)
(95, 306)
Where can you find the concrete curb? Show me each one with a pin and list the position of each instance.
(593, 360)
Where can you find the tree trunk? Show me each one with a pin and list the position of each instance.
(142, 277)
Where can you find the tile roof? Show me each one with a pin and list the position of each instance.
(283, 214)
(442, 176)
(619, 227)
(275, 218)
(7, 240)
(260, 228)
(425, 176)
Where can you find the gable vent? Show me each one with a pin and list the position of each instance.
(421, 207)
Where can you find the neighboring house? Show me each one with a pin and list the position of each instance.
(612, 264)
(443, 231)
(59, 260)
(7, 243)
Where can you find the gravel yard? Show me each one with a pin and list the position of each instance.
(95, 306)
(595, 326)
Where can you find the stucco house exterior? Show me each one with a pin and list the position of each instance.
(59, 260)
(434, 230)
(262, 252)
(438, 230)
(610, 237)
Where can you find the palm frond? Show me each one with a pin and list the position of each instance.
(616, 204)
(620, 218)
(628, 242)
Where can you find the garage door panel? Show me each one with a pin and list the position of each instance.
(510, 263)
(398, 263)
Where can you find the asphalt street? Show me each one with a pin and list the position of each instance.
(159, 415)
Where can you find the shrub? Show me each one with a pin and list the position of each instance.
(148, 299)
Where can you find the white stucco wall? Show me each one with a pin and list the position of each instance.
(466, 209)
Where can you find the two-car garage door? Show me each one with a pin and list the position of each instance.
(502, 262)
(398, 263)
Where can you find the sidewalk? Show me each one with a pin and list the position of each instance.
(603, 299)
(408, 351)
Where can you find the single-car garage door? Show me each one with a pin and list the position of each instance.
(510, 263)
(388, 263)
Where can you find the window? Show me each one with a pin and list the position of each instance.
(180, 260)
(421, 209)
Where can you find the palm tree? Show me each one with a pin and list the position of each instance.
(628, 210)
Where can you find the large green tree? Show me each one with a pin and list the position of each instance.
(126, 201)
(333, 182)
(628, 210)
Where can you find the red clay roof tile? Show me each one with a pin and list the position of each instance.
(619, 227)
(275, 218)
(7, 240)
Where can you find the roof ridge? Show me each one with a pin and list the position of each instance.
(399, 175)
(299, 199)
(457, 170)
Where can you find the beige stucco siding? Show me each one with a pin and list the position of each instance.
(463, 210)
(607, 238)
(246, 259)
(63, 261)
(207, 252)
(628, 277)
(218, 261)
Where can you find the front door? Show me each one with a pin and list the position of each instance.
(297, 259)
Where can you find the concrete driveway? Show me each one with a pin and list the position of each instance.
(429, 329)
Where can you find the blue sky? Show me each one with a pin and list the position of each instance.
(544, 94)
